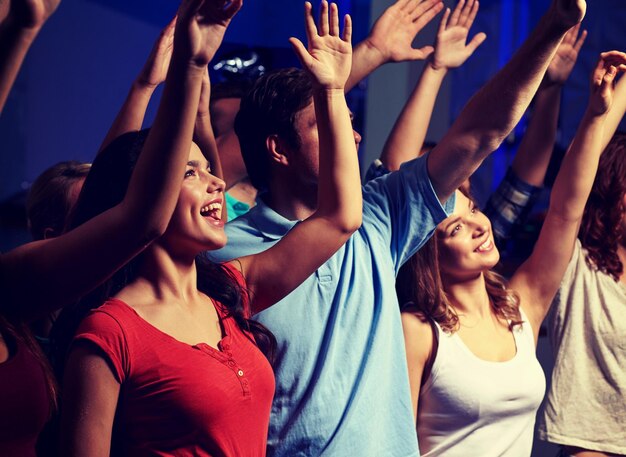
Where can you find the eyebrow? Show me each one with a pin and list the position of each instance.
(196, 164)
(452, 222)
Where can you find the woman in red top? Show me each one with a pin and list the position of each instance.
(170, 366)
(40, 277)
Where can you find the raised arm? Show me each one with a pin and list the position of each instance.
(533, 157)
(19, 29)
(391, 38)
(451, 51)
(492, 113)
(274, 273)
(538, 278)
(71, 265)
(204, 136)
(131, 115)
(515, 196)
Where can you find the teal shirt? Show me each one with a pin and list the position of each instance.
(235, 207)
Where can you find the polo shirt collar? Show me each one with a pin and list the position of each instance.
(271, 224)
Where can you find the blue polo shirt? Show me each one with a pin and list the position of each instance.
(342, 384)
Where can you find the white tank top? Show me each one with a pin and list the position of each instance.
(473, 407)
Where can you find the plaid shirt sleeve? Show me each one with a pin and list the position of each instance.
(510, 204)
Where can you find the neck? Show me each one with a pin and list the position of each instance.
(291, 198)
(169, 277)
(468, 296)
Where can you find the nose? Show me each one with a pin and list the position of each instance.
(480, 228)
(357, 137)
(215, 184)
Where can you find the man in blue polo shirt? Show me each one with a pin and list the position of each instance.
(341, 377)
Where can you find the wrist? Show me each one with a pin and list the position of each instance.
(27, 35)
(373, 52)
(435, 67)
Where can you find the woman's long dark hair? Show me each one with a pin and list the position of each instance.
(104, 188)
(600, 231)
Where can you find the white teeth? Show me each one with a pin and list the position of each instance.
(213, 209)
(486, 245)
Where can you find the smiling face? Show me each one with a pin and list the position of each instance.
(465, 242)
(197, 220)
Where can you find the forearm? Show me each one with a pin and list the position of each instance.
(160, 167)
(15, 44)
(131, 115)
(533, 157)
(339, 186)
(409, 132)
(365, 59)
(575, 178)
(493, 112)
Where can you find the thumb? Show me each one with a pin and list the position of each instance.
(301, 52)
(477, 41)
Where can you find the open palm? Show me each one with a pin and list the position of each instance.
(451, 47)
(328, 58)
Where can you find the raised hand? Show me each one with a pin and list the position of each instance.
(201, 27)
(566, 55)
(154, 70)
(31, 14)
(601, 96)
(393, 33)
(329, 57)
(568, 13)
(451, 50)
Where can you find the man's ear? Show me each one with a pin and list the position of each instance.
(277, 149)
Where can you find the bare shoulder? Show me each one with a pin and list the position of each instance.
(418, 334)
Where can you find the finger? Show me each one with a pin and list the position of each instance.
(188, 9)
(418, 9)
(476, 41)
(581, 40)
(424, 19)
(309, 23)
(405, 5)
(347, 28)
(334, 19)
(607, 80)
(421, 53)
(456, 14)
(465, 12)
(301, 53)
(570, 36)
(323, 19)
(444, 21)
(598, 73)
(232, 8)
(472, 16)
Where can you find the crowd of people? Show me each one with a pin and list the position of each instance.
(328, 316)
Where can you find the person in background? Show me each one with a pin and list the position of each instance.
(467, 323)
(68, 266)
(346, 366)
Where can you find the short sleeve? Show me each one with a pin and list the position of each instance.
(104, 330)
(404, 209)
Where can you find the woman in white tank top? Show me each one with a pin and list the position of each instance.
(470, 338)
